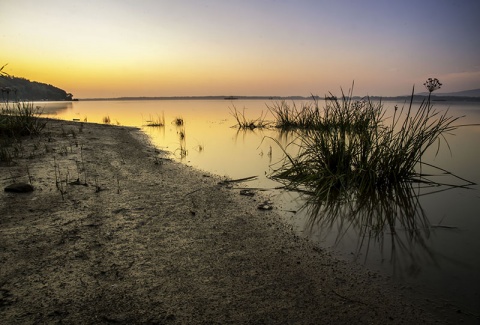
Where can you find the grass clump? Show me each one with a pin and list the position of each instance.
(290, 117)
(244, 123)
(351, 145)
(178, 121)
(346, 114)
(362, 170)
(20, 119)
(156, 122)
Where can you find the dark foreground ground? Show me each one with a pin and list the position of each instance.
(115, 234)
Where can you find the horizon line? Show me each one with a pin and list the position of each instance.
(236, 97)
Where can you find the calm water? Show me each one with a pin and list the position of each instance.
(444, 257)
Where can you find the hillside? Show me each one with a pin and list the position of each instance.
(464, 93)
(14, 88)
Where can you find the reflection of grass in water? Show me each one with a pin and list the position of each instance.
(359, 171)
(182, 150)
(371, 214)
(181, 134)
(199, 148)
(392, 219)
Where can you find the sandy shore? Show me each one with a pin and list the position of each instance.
(115, 233)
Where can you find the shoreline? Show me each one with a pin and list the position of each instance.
(117, 233)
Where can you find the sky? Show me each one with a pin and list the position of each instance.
(116, 48)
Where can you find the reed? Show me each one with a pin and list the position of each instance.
(20, 119)
(178, 121)
(360, 170)
(156, 122)
(345, 114)
(290, 117)
(244, 123)
(353, 146)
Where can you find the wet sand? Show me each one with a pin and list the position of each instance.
(116, 233)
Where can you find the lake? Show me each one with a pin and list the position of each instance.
(441, 259)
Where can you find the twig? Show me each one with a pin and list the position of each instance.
(239, 180)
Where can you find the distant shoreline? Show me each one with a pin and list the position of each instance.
(416, 98)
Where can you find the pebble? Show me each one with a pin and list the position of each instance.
(19, 188)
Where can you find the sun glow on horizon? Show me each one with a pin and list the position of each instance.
(166, 48)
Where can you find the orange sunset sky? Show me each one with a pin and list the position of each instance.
(113, 48)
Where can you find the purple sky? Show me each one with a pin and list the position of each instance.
(105, 48)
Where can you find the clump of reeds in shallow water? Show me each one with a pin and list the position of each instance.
(288, 117)
(178, 121)
(156, 122)
(244, 123)
(344, 115)
(352, 145)
(362, 171)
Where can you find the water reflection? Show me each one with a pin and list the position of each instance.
(391, 221)
(181, 152)
(394, 215)
(54, 108)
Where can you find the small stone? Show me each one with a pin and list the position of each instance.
(265, 206)
(247, 192)
(19, 188)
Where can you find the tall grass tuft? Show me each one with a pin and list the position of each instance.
(362, 170)
(17, 119)
(178, 121)
(21, 118)
(244, 123)
(156, 122)
(353, 146)
(346, 114)
(290, 117)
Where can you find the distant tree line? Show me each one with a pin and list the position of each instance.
(14, 88)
